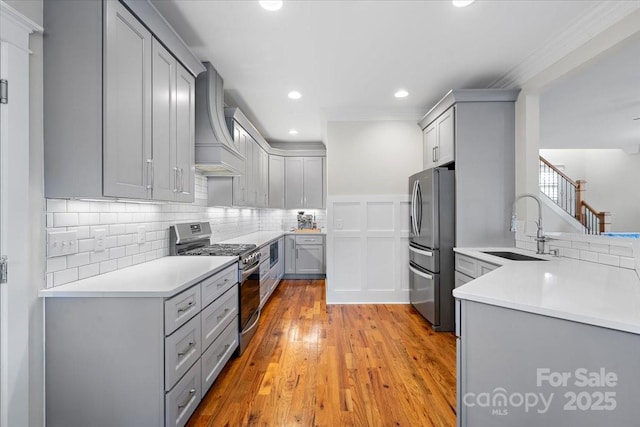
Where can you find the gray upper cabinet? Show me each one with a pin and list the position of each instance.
(479, 126)
(127, 101)
(276, 182)
(119, 107)
(438, 141)
(164, 123)
(185, 129)
(173, 128)
(293, 185)
(263, 173)
(304, 178)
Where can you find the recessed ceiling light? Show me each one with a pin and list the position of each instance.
(271, 5)
(293, 132)
(294, 94)
(462, 3)
(401, 94)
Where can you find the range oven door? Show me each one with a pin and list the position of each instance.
(249, 304)
(424, 293)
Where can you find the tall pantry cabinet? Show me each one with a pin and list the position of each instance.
(119, 104)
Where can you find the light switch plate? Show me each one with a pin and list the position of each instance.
(142, 234)
(61, 243)
(339, 224)
(99, 237)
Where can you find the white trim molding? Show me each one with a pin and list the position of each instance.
(598, 19)
(12, 15)
(368, 249)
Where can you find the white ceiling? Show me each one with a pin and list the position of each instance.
(594, 106)
(347, 58)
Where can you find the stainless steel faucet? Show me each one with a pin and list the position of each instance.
(540, 237)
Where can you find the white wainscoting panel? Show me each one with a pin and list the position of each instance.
(368, 249)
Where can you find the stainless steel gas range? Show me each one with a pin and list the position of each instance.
(193, 239)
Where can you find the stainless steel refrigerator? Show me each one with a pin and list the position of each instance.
(431, 240)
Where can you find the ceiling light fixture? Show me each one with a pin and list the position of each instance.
(293, 132)
(294, 94)
(401, 93)
(271, 5)
(462, 3)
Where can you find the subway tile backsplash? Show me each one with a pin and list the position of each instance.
(121, 222)
(616, 252)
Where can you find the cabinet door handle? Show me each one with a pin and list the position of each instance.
(149, 174)
(181, 180)
(296, 253)
(189, 346)
(434, 154)
(175, 180)
(186, 402)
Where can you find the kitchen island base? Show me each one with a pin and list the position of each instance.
(524, 369)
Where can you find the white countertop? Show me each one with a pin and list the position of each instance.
(262, 238)
(163, 277)
(565, 288)
(259, 238)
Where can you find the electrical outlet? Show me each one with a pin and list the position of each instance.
(61, 243)
(142, 234)
(99, 237)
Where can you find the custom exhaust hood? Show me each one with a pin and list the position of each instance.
(216, 152)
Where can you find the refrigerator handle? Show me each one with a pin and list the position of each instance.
(420, 273)
(421, 252)
(413, 208)
(419, 208)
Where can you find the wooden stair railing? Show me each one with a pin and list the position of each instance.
(569, 195)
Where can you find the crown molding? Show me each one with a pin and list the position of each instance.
(585, 28)
(18, 18)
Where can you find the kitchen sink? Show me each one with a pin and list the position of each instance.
(514, 256)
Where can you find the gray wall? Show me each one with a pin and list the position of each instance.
(32, 9)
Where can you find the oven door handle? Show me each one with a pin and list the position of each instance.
(249, 272)
(246, 330)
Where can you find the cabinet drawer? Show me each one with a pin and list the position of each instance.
(181, 350)
(179, 309)
(217, 315)
(460, 279)
(216, 285)
(485, 267)
(215, 358)
(467, 265)
(184, 398)
(309, 240)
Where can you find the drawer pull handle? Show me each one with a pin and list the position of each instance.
(226, 310)
(183, 309)
(186, 402)
(226, 347)
(183, 352)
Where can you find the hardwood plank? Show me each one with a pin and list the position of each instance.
(310, 364)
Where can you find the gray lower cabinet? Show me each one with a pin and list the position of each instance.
(472, 267)
(516, 368)
(139, 361)
(119, 106)
(305, 255)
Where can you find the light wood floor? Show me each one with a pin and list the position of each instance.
(310, 364)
